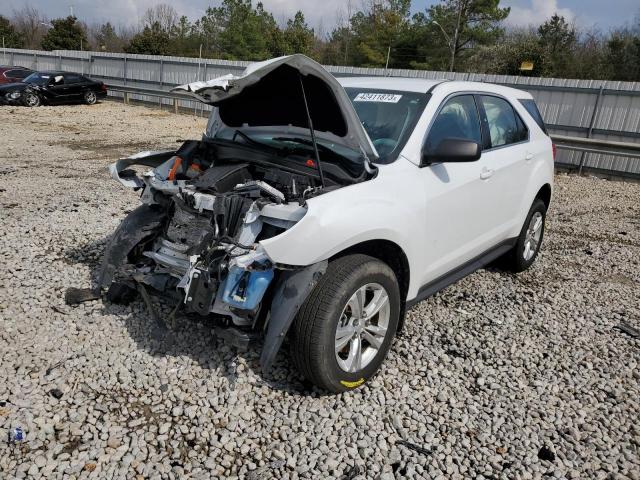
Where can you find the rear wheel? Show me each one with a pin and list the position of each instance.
(32, 99)
(344, 329)
(90, 97)
(529, 241)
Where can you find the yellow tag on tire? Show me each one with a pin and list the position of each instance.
(355, 384)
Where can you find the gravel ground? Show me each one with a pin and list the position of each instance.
(499, 376)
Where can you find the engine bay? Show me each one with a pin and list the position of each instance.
(207, 207)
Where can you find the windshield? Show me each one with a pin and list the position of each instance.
(388, 116)
(38, 79)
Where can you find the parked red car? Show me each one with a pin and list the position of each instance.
(9, 74)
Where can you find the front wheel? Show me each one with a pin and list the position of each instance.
(90, 97)
(32, 99)
(344, 330)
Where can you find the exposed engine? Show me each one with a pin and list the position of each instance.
(214, 210)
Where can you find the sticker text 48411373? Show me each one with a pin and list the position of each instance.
(377, 97)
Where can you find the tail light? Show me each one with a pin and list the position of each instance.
(103, 87)
(553, 147)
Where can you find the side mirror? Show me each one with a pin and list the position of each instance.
(452, 150)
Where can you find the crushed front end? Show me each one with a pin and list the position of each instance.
(280, 134)
(195, 238)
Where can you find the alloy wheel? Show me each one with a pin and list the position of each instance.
(533, 235)
(362, 327)
(32, 100)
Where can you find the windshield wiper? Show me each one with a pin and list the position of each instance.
(250, 140)
(308, 143)
(280, 151)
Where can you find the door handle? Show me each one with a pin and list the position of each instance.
(486, 173)
(529, 156)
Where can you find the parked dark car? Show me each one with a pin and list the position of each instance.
(10, 74)
(52, 88)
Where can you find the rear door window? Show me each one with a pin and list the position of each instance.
(531, 107)
(504, 124)
(458, 118)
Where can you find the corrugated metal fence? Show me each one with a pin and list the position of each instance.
(607, 110)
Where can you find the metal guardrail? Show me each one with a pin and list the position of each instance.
(149, 92)
(593, 145)
(580, 144)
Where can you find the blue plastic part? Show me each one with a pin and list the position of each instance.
(244, 289)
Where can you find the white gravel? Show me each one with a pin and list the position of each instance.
(491, 375)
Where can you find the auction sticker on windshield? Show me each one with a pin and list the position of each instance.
(377, 97)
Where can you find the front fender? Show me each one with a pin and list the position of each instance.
(147, 158)
(385, 208)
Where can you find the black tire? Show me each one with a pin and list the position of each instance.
(32, 99)
(515, 260)
(90, 97)
(313, 334)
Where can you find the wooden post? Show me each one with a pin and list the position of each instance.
(126, 98)
(175, 105)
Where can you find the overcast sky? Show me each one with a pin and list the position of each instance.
(604, 14)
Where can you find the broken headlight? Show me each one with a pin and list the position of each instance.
(14, 95)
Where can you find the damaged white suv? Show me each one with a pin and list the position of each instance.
(322, 209)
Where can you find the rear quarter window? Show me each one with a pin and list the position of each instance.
(19, 73)
(531, 107)
(73, 78)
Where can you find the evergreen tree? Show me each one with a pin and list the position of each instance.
(9, 35)
(297, 37)
(623, 55)
(153, 40)
(377, 30)
(184, 40)
(464, 25)
(107, 39)
(207, 30)
(65, 34)
(558, 41)
(246, 33)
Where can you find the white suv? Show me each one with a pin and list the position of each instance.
(321, 209)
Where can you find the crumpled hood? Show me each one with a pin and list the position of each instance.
(269, 94)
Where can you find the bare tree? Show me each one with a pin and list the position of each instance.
(126, 33)
(31, 24)
(163, 14)
(320, 33)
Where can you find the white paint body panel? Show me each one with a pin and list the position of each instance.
(442, 215)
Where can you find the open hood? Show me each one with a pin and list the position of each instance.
(269, 94)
